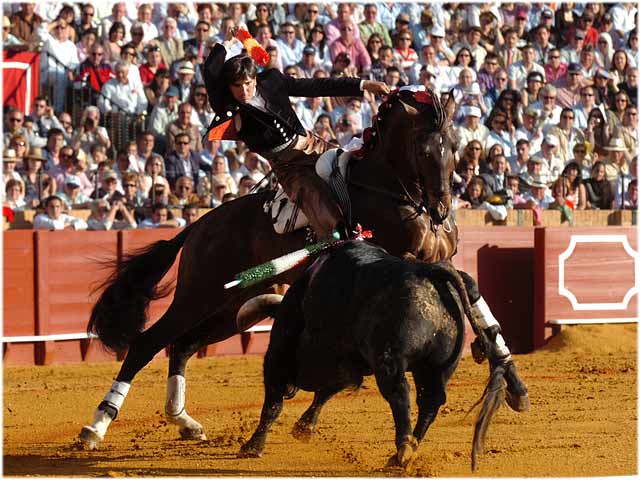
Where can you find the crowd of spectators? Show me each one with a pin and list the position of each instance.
(545, 94)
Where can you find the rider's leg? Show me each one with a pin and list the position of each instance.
(517, 394)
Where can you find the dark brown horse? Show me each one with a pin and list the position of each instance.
(400, 189)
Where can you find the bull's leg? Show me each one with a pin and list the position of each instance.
(306, 425)
(273, 400)
(430, 396)
(517, 396)
(212, 330)
(395, 389)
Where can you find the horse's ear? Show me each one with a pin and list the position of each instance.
(450, 106)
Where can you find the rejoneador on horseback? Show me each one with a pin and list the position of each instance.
(398, 184)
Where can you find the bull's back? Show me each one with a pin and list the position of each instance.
(362, 302)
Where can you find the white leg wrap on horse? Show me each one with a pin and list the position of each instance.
(101, 421)
(176, 386)
(486, 320)
(117, 394)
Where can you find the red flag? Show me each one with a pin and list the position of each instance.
(21, 79)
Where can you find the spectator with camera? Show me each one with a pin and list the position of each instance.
(89, 132)
(106, 216)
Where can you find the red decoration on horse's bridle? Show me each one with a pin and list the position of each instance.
(424, 97)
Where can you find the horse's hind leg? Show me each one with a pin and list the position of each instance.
(141, 352)
(395, 390)
(306, 425)
(210, 331)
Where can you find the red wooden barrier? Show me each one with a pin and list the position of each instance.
(585, 275)
(68, 267)
(501, 260)
(18, 293)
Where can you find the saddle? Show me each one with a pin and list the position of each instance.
(332, 167)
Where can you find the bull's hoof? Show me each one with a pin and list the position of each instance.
(407, 451)
(290, 392)
(90, 438)
(250, 450)
(303, 431)
(477, 352)
(192, 434)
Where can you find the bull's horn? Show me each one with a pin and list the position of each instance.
(257, 309)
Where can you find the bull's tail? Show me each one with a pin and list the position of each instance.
(121, 311)
(492, 396)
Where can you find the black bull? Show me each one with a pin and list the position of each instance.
(360, 311)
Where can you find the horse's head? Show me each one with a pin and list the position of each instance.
(435, 142)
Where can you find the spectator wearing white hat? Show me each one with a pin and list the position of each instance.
(444, 55)
(72, 195)
(616, 164)
(552, 163)
(472, 129)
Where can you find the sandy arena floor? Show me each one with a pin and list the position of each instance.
(583, 420)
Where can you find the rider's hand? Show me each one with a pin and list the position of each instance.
(376, 88)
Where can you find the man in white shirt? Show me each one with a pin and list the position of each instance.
(552, 163)
(519, 71)
(530, 130)
(164, 113)
(54, 219)
(290, 48)
(548, 110)
(119, 94)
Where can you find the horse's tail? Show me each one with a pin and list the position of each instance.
(492, 396)
(121, 311)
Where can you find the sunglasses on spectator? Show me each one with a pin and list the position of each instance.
(184, 187)
(475, 148)
(588, 94)
(66, 155)
(630, 112)
(137, 33)
(128, 185)
(88, 14)
(499, 121)
(312, 11)
(502, 79)
(97, 54)
(405, 38)
(203, 29)
(375, 40)
(621, 100)
(182, 143)
(568, 117)
(547, 97)
(346, 29)
(580, 150)
(15, 119)
(129, 52)
(288, 32)
(464, 55)
(554, 57)
(20, 144)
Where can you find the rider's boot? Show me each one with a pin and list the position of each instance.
(517, 396)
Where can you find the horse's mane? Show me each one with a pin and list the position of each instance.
(427, 97)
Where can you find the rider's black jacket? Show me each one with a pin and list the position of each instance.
(262, 131)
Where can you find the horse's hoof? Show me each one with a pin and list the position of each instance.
(407, 451)
(250, 451)
(90, 438)
(477, 352)
(192, 434)
(518, 403)
(302, 431)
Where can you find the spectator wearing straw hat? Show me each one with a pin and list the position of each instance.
(10, 42)
(553, 164)
(38, 184)
(54, 219)
(9, 160)
(184, 84)
(616, 164)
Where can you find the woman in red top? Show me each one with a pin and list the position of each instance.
(406, 55)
